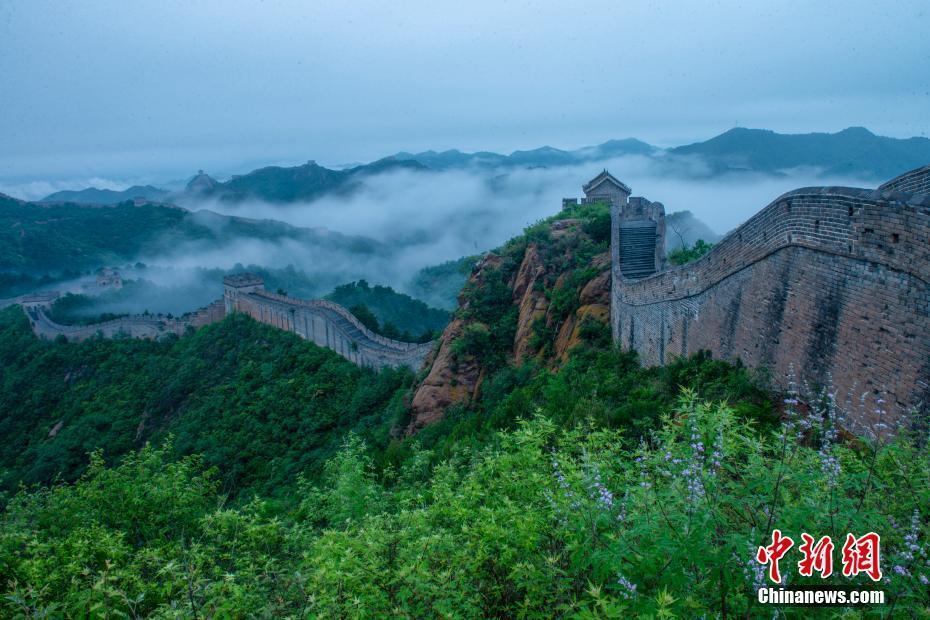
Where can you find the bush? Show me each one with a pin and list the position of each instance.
(475, 342)
(538, 522)
(682, 255)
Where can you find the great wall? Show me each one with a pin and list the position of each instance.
(325, 323)
(828, 285)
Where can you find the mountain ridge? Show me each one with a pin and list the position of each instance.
(290, 184)
(854, 152)
(45, 236)
(93, 195)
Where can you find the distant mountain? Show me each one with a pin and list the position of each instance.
(543, 156)
(95, 196)
(271, 184)
(292, 184)
(852, 152)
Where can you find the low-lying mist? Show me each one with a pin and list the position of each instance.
(174, 290)
(430, 217)
(418, 219)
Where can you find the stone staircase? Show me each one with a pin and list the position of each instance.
(637, 249)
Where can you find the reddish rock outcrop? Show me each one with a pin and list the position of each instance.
(450, 380)
(454, 380)
(531, 299)
(595, 303)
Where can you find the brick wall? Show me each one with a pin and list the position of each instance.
(830, 281)
(328, 325)
(323, 322)
(137, 326)
(913, 182)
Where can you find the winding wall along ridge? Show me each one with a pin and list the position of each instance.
(329, 325)
(912, 182)
(138, 326)
(323, 322)
(831, 282)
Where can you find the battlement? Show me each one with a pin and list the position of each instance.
(830, 283)
(243, 280)
(323, 322)
(41, 298)
(912, 182)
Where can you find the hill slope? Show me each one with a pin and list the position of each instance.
(399, 316)
(251, 398)
(38, 237)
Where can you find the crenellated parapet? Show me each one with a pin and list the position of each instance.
(912, 182)
(150, 327)
(831, 284)
(323, 322)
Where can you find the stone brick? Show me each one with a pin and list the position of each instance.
(831, 282)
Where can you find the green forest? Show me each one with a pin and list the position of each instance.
(239, 471)
(541, 504)
(46, 243)
(390, 313)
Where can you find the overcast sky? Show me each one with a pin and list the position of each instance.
(154, 90)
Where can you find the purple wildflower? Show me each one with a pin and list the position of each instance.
(627, 587)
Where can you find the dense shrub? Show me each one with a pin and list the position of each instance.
(539, 522)
(257, 402)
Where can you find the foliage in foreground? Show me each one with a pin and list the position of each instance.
(538, 522)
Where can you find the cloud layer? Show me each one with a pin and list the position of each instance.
(418, 219)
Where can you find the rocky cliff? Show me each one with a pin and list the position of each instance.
(545, 288)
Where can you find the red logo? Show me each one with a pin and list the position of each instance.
(773, 553)
(860, 555)
(817, 557)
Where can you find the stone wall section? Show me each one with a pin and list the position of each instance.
(913, 182)
(325, 323)
(139, 326)
(330, 325)
(831, 282)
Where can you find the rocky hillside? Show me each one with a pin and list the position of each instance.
(529, 302)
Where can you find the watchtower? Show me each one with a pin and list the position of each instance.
(637, 240)
(605, 188)
(240, 284)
